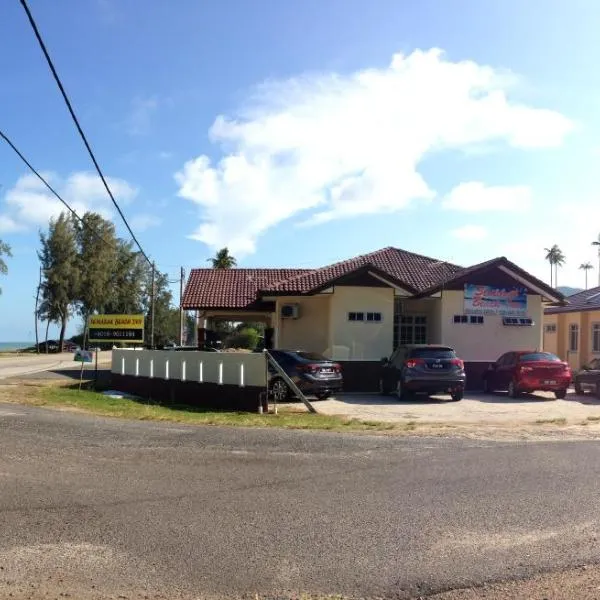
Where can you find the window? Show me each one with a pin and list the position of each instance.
(461, 319)
(595, 337)
(551, 328)
(413, 329)
(535, 356)
(518, 321)
(433, 352)
(476, 319)
(573, 337)
(371, 317)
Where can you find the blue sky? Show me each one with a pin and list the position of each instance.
(301, 133)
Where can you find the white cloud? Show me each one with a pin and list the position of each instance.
(29, 203)
(165, 155)
(475, 196)
(8, 225)
(470, 232)
(142, 222)
(351, 145)
(140, 119)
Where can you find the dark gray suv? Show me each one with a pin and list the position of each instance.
(428, 369)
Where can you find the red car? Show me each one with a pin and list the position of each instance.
(528, 371)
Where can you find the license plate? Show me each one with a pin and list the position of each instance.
(550, 382)
(328, 371)
(437, 366)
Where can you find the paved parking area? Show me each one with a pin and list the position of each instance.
(494, 409)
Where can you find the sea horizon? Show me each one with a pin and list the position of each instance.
(15, 345)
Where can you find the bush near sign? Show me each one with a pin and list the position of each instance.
(116, 328)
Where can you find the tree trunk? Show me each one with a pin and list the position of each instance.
(551, 273)
(35, 314)
(47, 327)
(63, 326)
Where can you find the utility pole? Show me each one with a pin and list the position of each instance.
(35, 313)
(181, 320)
(152, 294)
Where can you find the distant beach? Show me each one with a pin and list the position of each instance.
(6, 346)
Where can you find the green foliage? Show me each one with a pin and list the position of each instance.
(59, 260)
(244, 338)
(4, 251)
(223, 260)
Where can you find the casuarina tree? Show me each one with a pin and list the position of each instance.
(4, 252)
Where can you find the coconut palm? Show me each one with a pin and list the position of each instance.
(585, 267)
(223, 260)
(597, 244)
(556, 258)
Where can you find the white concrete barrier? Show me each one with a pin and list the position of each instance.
(223, 368)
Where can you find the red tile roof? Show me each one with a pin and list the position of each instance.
(242, 288)
(414, 271)
(230, 288)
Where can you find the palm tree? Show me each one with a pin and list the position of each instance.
(223, 260)
(4, 251)
(585, 267)
(559, 261)
(556, 258)
(597, 243)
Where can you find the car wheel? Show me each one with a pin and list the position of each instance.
(458, 395)
(560, 394)
(382, 388)
(486, 386)
(579, 389)
(279, 390)
(513, 392)
(323, 396)
(401, 392)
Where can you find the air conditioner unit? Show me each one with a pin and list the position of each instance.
(290, 311)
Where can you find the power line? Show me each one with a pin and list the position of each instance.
(52, 190)
(77, 125)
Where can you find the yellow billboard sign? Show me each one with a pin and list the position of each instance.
(116, 328)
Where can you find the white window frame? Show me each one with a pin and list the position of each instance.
(551, 328)
(365, 316)
(412, 326)
(596, 338)
(573, 337)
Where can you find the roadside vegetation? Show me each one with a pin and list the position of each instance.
(89, 401)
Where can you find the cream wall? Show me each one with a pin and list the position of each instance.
(311, 330)
(361, 340)
(487, 341)
(431, 308)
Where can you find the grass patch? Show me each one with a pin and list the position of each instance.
(92, 402)
(594, 418)
(557, 421)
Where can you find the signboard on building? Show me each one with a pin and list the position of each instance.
(127, 329)
(487, 300)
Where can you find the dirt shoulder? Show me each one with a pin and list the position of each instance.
(582, 583)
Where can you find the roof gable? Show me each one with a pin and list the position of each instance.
(497, 272)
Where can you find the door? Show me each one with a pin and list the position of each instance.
(506, 370)
(391, 370)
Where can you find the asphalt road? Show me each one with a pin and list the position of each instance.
(98, 508)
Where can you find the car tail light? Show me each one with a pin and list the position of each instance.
(337, 368)
(411, 363)
(458, 362)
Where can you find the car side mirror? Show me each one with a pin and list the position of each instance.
(493, 366)
(385, 361)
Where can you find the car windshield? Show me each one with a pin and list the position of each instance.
(432, 353)
(537, 356)
(311, 356)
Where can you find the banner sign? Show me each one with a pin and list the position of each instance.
(116, 328)
(83, 356)
(486, 300)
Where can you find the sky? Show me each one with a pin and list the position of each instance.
(302, 133)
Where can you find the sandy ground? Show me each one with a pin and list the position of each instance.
(496, 409)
